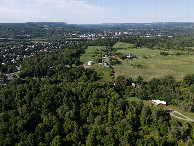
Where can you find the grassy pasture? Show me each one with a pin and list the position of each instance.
(140, 52)
(123, 45)
(156, 65)
(87, 56)
(104, 71)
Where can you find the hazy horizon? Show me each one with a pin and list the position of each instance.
(89, 23)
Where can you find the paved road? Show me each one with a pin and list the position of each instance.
(185, 118)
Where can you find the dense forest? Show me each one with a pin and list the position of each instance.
(55, 101)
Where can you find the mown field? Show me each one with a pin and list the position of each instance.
(87, 55)
(103, 71)
(140, 52)
(123, 45)
(156, 65)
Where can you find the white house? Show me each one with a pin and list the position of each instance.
(90, 62)
(157, 102)
(130, 56)
(133, 85)
(104, 64)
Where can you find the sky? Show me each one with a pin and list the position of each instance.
(96, 11)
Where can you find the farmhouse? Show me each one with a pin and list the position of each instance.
(90, 62)
(158, 102)
(130, 56)
(133, 85)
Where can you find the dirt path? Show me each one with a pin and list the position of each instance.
(185, 118)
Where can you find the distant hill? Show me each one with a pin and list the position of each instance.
(43, 23)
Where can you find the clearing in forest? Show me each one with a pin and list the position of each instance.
(90, 55)
(89, 52)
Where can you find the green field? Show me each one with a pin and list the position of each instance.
(157, 67)
(104, 71)
(140, 52)
(87, 56)
(123, 45)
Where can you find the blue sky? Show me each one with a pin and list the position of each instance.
(96, 11)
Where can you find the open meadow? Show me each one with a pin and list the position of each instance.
(123, 45)
(104, 72)
(89, 52)
(148, 64)
(155, 65)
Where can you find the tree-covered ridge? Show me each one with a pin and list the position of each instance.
(74, 108)
(56, 101)
(53, 31)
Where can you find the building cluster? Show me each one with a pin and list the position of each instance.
(106, 34)
(12, 55)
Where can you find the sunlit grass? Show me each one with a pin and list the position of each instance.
(89, 52)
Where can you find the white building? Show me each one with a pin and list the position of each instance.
(157, 102)
(133, 85)
(90, 62)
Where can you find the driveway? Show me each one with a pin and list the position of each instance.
(185, 118)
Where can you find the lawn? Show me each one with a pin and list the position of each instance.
(104, 71)
(87, 56)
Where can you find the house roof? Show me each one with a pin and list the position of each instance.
(159, 102)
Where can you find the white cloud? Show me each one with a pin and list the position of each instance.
(71, 11)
